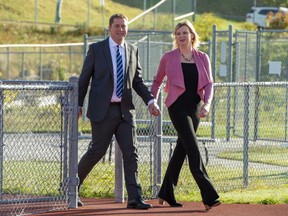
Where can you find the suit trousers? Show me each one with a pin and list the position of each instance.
(102, 133)
(186, 122)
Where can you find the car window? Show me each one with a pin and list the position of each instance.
(266, 11)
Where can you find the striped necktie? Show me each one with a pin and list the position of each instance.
(119, 73)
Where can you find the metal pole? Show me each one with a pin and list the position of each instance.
(246, 136)
(88, 13)
(230, 43)
(1, 139)
(194, 3)
(85, 50)
(148, 58)
(254, 12)
(8, 62)
(144, 9)
(173, 13)
(41, 70)
(213, 66)
(155, 19)
(102, 8)
(158, 148)
(58, 11)
(36, 12)
(286, 112)
(214, 39)
(73, 143)
(22, 65)
(119, 176)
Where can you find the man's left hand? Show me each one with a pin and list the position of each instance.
(154, 109)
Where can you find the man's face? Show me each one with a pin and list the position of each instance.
(118, 30)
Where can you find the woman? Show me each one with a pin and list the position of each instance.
(189, 88)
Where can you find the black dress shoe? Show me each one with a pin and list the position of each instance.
(138, 204)
(79, 202)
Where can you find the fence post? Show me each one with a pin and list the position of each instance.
(85, 50)
(1, 139)
(158, 148)
(214, 53)
(246, 135)
(119, 176)
(73, 143)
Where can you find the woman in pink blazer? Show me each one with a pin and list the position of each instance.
(189, 87)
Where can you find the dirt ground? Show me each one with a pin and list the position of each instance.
(107, 207)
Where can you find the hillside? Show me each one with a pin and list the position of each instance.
(26, 23)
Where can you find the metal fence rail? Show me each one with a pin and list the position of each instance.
(39, 151)
(37, 146)
(243, 56)
(238, 144)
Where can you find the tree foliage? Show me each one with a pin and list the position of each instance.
(278, 20)
(272, 3)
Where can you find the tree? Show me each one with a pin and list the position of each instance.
(278, 20)
(273, 3)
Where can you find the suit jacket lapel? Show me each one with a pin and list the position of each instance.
(107, 54)
(128, 56)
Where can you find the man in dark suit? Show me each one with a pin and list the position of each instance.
(110, 107)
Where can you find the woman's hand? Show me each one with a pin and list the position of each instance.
(203, 112)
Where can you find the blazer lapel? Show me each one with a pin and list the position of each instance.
(127, 57)
(107, 54)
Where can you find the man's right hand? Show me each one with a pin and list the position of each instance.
(79, 112)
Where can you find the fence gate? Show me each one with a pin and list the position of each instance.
(36, 143)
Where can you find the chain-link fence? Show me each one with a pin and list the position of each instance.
(249, 56)
(243, 56)
(243, 142)
(37, 146)
(152, 45)
(40, 61)
(237, 141)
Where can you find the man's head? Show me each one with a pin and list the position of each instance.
(118, 27)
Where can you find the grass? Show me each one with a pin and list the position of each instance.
(261, 154)
(187, 190)
(100, 182)
(75, 19)
(38, 178)
(257, 196)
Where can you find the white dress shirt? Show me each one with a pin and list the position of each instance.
(113, 49)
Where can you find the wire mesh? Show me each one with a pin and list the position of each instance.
(33, 147)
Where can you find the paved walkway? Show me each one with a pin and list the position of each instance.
(107, 207)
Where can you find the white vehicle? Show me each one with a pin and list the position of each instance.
(258, 15)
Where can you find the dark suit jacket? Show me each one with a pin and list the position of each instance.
(98, 66)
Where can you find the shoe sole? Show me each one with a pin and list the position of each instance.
(207, 207)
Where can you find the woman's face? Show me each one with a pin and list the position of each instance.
(183, 36)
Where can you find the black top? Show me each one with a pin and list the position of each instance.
(190, 97)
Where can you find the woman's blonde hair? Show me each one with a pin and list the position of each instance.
(196, 39)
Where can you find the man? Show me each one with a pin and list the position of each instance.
(113, 67)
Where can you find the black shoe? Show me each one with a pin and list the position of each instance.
(212, 204)
(79, 202)
(138, 204)
(171, 203)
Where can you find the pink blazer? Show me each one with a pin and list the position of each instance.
(170, 66)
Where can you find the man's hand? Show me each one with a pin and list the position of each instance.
(80, 112)
(154, 109)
